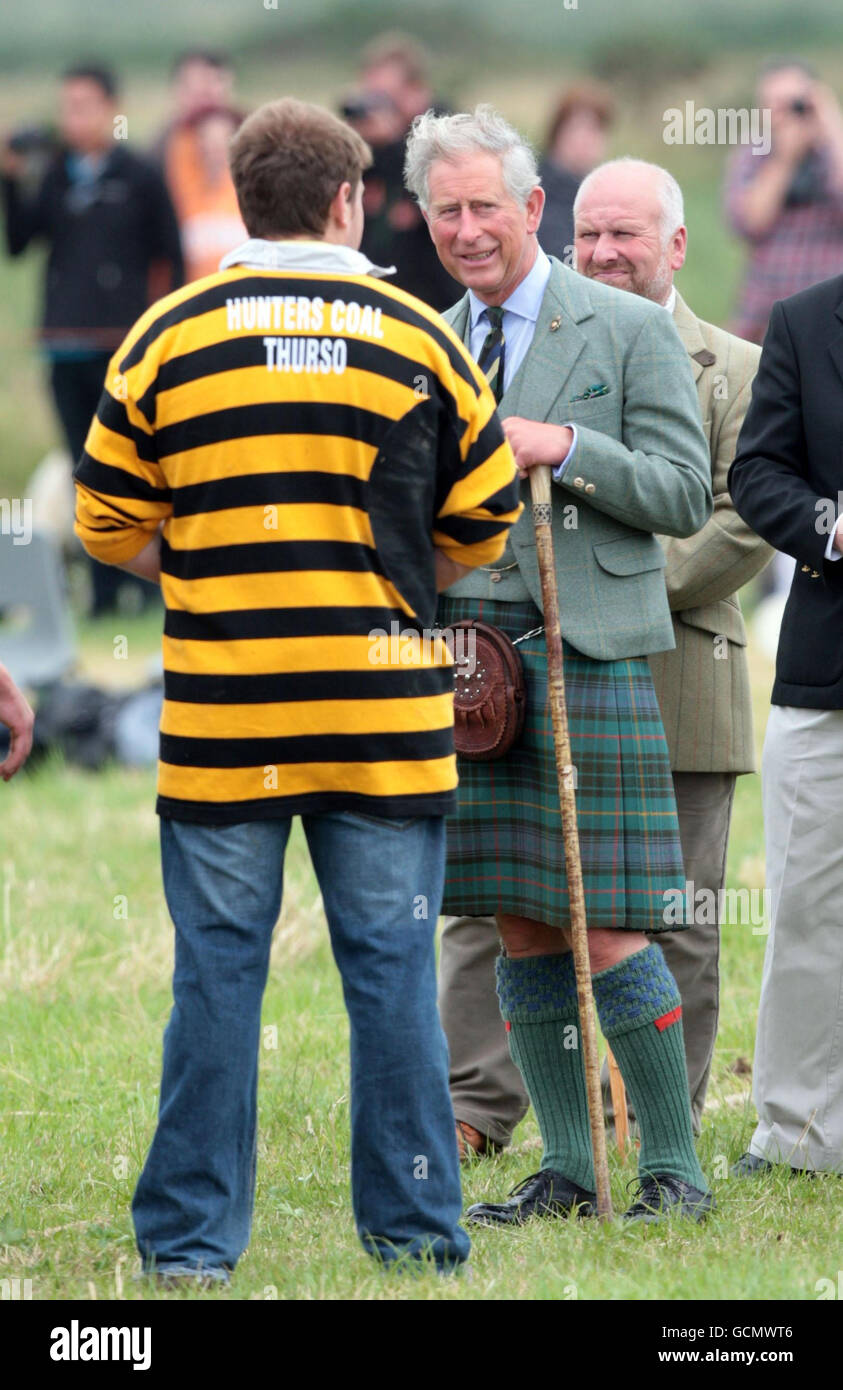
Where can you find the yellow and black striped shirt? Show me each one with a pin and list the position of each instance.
(306, 438)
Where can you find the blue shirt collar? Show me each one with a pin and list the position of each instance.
(526, 298)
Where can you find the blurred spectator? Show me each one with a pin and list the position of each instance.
(376, 117)
(788, 204)
(394, 89)
(113, 248)
(199, 181)
(576, 143)
(200, 79)
(399, 66)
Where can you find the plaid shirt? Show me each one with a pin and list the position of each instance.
(804, 246)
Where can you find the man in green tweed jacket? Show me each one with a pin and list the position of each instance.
(595, 384)
(631, 233)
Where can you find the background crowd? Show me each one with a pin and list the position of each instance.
(124, 224)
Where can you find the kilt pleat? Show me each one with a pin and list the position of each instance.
(505, 843)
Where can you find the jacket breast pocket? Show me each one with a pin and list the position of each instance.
(629, 555)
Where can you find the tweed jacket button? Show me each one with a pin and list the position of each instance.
(589, 487)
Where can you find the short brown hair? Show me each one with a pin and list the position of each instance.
(581, 96)
(288, 160)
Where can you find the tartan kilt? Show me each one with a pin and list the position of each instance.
(505, 844)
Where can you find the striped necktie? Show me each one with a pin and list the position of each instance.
(491, 359)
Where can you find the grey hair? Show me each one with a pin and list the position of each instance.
(670, 194)
(435, 137)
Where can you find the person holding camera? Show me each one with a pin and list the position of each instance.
(394, 88)
(113, 247)
(788, 204)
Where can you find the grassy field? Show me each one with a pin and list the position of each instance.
(85, 996)
(84, 990)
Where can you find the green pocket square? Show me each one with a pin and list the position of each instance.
(590, 392)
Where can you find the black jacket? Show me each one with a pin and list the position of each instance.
(101, 246)
(787, 483)
(557, 225)
(396, 233)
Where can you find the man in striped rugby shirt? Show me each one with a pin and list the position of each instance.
(303, 456)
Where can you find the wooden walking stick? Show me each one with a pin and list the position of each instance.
(540, 486)
(618, 1091)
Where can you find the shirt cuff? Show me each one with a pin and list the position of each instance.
(830, 552)
(560, 467)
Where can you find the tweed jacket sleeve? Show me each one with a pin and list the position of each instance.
(656, 478)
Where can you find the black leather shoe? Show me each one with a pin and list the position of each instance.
(661, 1197)
(546, 1193)
(750, 1166)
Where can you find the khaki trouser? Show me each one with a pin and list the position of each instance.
(486, 1087)
(798, 1072)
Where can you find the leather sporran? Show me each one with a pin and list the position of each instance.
(490, 695)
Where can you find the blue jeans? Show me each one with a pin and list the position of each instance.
(381, 883)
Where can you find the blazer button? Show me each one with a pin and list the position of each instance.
(806, 569)
(589, 487)
(815, 574)
(579, 482)
(495, 577)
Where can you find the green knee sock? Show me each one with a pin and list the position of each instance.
(640, 1013)
(538, 1001)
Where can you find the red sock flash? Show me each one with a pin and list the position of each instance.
(666, 1019)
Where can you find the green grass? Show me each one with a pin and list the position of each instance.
(85, 996)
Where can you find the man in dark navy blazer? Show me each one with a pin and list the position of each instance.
(787, 483)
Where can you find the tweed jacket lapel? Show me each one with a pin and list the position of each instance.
(688, 327)
(552, 355)
(460, 319)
